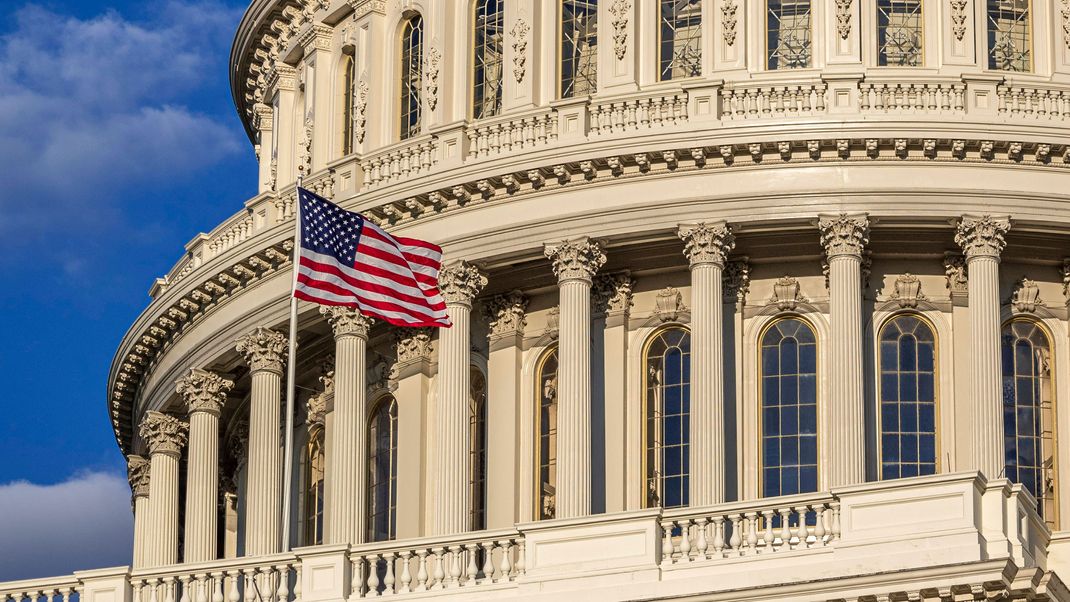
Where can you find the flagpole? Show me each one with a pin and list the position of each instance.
(291, 384)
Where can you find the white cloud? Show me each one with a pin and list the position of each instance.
(84, 522)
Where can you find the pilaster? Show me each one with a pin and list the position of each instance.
(618, 52)
(612, 299)
(729, 25)
(519, 91)
(285, 137)
(843, 22)
(413, 347)
(138, 475)
(318, 93)
(376, 124)
(264, 121)
(166, 436)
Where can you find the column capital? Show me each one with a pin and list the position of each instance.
(412, 344)
(238, 444)
(735, 282)
(137, 473)
(577, 259)
(707, 243)
(203, 391)
(460, 282)
(347, 321)
(263, 117)
(164, 433)
(264, 350)
(982, 235)
(612, 293)
(844, 234)
(507, 314)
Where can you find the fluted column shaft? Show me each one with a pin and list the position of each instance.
(706, 246)
(139, 476)
(844, 238)
(346, 459)
(459, 284)
(165, 436)
(982, 241)
(264, 351)
(575, 263)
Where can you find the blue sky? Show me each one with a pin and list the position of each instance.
(118, 143)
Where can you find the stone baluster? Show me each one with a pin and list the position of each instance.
(264, 351)
(138, 474)
(204, 393)
(165, 435)
(982, 240)
(346, 461)
(575, 263)
(844, 237)
(706, 247)
(459, 283)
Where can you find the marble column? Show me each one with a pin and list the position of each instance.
(982, 240)
(137, 471)
(204, 393)
(507, 317)
(575, 263)
(166, 436)
(459, 283)
(706, 247)
(346, 464)
(844, 237)
(264, 351)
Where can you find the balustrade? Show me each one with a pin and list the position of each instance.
(1040, 103)
(774, 101)
(913, 97)
(630, 114)
(53, 589)
(489, 139)
(410, 159)
(264, 579)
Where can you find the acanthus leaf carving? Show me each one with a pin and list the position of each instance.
(728, 21)
(787, 293)
(844, 234)
(955, 271)
(577, 259)
(264, 350)
(669, 304)
(1026, 296)
(204, 391)
(843, 18)
(735, 281)
(138, 474)
(621, 10)
(361, 108)
(612, 293)
(958, 18)
(347, 321)
(460, 282)
(431, 69)
(982, 235)
(507, 314)
(164, 433)
(707, 243)
(520, 48)
(907, 291)
(304, 149)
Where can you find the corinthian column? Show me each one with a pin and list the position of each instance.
(981, 239)
(264, 352)
(459, 283)
(137, 472)
(204, 393)
(575, 263)
(844, 237)
(706, 246)
(346, 464)
(165, 435)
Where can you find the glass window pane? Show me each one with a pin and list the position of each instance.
(788, 34)
(579, 47)
(789, 439)
(412, 58)
(1009, 35)
(680, 27)
(488, 64)
(667, 362)
(907, 398)
(899, 33)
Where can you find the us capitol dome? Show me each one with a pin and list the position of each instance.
(752, 300)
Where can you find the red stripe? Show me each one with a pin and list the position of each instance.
(375, 314)
(416, 242)
(373, 287)
(363, 301)
(410, 257)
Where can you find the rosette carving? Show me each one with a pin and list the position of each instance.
(982, 236)
(264, 350)
(576, 259)
(844, 234)
(137, 473)
(347, 321)
(204, 391)
(164, 433)
(707, 243)
(507, 313)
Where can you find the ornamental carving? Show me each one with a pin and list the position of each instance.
(137, 474)
(1066, 279)
(381, 376)
(982, 236)
(707, 243)
(787, 293)
(844, 234)
(520, 48)
(1026, 296)
(612, 293)
(238, 444)
(735, 281)
(347, 321)
(304, 149)
(577, 259)
(507, 314)
(263, 349)
(164, 433)
(460, 282)
(955, 271)
(553, 322)
(412, 344)
(958, 18)
(1065, 12)
(728, 21)
(204, 391)
(907, 290)
(669, 304)
(360, 108)
(620, 9)
(316, 406)
(843, 18)
(431, 62)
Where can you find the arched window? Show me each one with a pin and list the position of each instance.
(789, 408)
(546, 452)
(487, 62)
(667, 363)
(680, 39)
(477, 449)
(412, 78)
(907, 398)
(345, 103)
(383, 470)
(315, 465)
(1010, 44)
(899, 33)
(579, 47)
(1029, 412)
(788, 34)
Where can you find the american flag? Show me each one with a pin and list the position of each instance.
(347, 260)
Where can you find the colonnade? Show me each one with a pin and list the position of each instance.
(575, 262)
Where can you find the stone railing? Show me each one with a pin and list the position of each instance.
(407, 159)
(912, 98)
(638, 112)
(51, 589)
(1035, 102)
(259, 579)
(490, 138)
(746, 102)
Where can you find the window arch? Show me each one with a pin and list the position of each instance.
(487, 60)
(788, 34)
(345, 103)
(1009, 35)
(1029, 412)
(382, 470)
(899, 33)
(907, 397)
(315, 465)
(679, 39)
(546, 445)
(579, 47)
(667, 363)
(789, 408)
(412, 58)
(477, 449)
